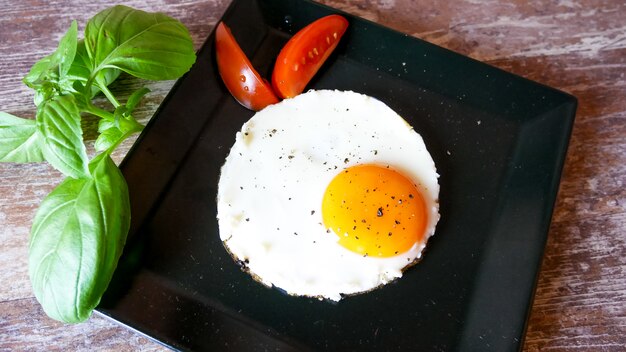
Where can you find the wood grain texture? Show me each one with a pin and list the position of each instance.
(576, 46)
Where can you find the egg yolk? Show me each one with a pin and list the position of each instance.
(374, 210)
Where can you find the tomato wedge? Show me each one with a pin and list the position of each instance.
(304, 54)
(241, 79)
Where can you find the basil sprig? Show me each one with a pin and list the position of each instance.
(80, 228)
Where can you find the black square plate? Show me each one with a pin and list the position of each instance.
(498, 141)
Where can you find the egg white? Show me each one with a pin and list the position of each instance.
(271, 188)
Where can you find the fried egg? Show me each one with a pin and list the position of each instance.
(327, 194)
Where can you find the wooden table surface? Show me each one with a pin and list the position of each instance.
(578, 46)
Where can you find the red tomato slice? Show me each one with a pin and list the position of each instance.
(241, 79)
(305, 53)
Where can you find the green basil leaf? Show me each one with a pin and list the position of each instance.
(38, 72)
(135, 98)
(58, 121)
(66, 51)
(108, 138)
(114, 132)
(55, 66)
(146, 45)
(44, 93)
(19, 140)
(76, 241)
(81, 71)
(104, 125)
